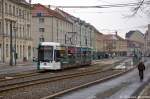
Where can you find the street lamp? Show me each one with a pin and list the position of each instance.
(15, 53)
(11, 49)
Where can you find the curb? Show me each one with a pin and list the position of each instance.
(140, 90)
(27, 64)
(143, 91)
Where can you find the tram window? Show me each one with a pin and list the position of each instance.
(57, 55)
(45, 53)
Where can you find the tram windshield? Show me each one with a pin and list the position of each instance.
(45, 53)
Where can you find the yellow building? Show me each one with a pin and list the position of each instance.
(110, 44)
(114, 44)
(15, 20)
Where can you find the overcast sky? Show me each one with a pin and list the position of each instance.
(106, 20)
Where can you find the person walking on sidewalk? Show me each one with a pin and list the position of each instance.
(141, 68)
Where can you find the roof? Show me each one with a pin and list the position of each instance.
(46, 11)
(130, 33)
(112, 37)
(21, 2)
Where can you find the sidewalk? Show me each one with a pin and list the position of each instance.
(20, 67)
(108, 61)
(30, 66)
(4, 65)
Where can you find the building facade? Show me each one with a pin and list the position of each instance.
(15, 31)
(147, 42)
(114, 45)
(109, 45)
(98, 45)
(135, 40)
(49, 26)
(58, 26)
(84, 32)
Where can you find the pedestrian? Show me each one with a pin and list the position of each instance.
(141, 68)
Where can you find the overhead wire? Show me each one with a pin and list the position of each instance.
(107, 6)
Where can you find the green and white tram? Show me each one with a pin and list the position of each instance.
(54, 56)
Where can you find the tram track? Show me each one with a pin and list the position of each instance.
(18, 75)
(34, 87)
(104, 76)
(12, 86)
(59, 93)
(107, 77)
(41, 81)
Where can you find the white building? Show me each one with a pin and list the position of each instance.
(15, 19)
(147, 41)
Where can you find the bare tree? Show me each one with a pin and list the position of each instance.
(142, 5)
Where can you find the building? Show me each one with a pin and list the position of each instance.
(114, 45)
(84, 32)
(15, 23)
(109, 44)
(48, 25)
(98, 45)
(135, 40)
(147, 42)
(59, 26)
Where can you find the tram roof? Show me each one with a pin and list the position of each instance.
(50, 43)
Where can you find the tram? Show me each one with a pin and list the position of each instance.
(55, 56)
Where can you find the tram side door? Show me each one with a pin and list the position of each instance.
(57, 63)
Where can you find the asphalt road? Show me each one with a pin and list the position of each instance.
(119, 88)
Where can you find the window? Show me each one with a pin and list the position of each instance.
(41, 39)
(45, 53)
(20, 31)
(23, 32)
(14, 11)
(28, 15)
(28, 30)
(7, 50)
(0, 7)
(41, 20)
(57, 56)
(10, 10)
(19, 12)
(7, 27)
(20, 51)
(39, 14)
(6, 8)
(41, 29)
(0, 27)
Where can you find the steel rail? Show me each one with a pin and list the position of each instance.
(14, 86)
(57, 94)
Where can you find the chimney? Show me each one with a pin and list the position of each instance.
(148, 32)
(148, 26)
(49, 6)
(30, 1)
(116, 33)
